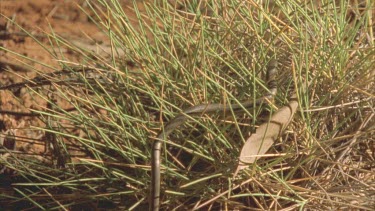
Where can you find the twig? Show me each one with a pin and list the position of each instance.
(48, 79)
(5, 64)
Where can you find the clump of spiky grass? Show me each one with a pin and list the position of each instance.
(102, 147)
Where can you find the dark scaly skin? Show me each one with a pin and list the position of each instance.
(196, 110)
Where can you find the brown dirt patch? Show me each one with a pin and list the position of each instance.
(64, 18)
(36, 17)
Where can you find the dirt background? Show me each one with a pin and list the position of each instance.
(62, 17)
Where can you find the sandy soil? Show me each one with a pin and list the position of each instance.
(36, 17)
(64, 18)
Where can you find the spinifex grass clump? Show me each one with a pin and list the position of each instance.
(163, 60)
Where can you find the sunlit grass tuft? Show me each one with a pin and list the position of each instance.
(162, 61)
